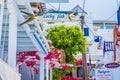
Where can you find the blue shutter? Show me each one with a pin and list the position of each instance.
(86, 31)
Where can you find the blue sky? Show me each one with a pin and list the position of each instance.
(99, 9)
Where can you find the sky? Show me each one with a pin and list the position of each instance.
(98, 9)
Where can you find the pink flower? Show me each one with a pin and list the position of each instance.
(79, 62)
(30, 63)
(36, 70)
(49, 56)
(52, 64)
(65, 67)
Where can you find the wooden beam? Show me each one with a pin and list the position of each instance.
(118, 39)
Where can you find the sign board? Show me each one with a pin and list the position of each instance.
(50, 1)
(59, 16)
(54, 16)
(108, 46)
(112, 65)
(103, 74)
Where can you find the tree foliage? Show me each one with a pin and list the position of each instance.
(71, 40)
(58, 73)
(68, 38)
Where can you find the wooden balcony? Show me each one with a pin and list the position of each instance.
(118, 33)
(39, 5)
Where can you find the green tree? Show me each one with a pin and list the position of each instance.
(71, 40)
(67, 38)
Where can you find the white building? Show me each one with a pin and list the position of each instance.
(29, 37)
(103, 29)
(15, 38)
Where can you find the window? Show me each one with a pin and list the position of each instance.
(109, 25)
(0, 6)
(87, 50)
(101, 25)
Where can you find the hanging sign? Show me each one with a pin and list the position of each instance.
(53, 16)
(112, 65)
(58, 16)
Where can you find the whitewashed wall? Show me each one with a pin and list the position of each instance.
(8, 73)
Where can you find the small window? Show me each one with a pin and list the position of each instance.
(87, 50)
(109, 25)
(0, 6)
(101, 25)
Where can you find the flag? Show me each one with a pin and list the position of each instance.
(108, 46)
(97, 38)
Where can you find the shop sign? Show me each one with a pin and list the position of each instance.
(112, 65)
(58, 16)
(54, 16)
(103, 74)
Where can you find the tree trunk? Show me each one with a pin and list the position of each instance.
(84, 66)
(84, 61)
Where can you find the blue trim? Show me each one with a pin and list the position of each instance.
(65, 12)
(56, 12)
(39, 42)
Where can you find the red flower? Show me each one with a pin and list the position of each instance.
(70, 78)
(67, 78)
(20, 60)
(37, 57)
(79, 62)
(54, 50)
(52, 65)
(49, 56)
(65, 67)
(30, 58)
(36, 70)
(30, 63)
